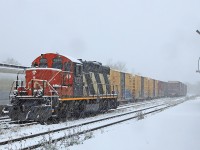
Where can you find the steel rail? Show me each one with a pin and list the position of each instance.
(8, 122)
(99, 127)
(2, 118)
(73, 126)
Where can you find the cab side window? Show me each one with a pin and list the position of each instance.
(43, 63)
(57, 63)
(67, 66)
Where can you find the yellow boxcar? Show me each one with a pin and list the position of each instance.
(137, 87)
(115, 81)
(151, 88)
(156, 89)
(122, 86)
(140, 87)
(146, 88)
(128, 86)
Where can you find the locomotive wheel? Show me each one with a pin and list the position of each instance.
(82, 114)
(55, 120)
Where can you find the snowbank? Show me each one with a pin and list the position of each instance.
(177, 128)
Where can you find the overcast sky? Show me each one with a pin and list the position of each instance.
(155, 38)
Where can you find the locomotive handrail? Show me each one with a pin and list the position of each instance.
(11, 89)
(17, 85)
(32, 81)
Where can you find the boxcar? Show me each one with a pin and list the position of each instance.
(136, 87)
(161, 88)
(146, 88)
(176, 88)
(128, 86)
(151, 88)
(115, 81)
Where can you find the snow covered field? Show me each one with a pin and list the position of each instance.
(177, 128)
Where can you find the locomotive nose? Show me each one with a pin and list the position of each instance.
(30, 108)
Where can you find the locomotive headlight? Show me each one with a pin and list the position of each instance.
(38, 93)
(35, 92)
(48, 102)
(15, 92)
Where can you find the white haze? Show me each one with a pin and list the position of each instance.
(154, 38)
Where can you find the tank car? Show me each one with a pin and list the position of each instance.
(58, 86)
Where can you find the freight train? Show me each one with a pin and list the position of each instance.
(58, 86)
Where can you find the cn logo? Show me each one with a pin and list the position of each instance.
(34, 72)
(69, 76)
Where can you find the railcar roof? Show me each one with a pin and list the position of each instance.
(174, 81)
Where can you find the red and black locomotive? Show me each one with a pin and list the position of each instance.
(57, 87)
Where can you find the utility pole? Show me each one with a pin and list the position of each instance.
(198, 71)
(198, 31)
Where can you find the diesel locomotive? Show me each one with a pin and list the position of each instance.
(58, 86)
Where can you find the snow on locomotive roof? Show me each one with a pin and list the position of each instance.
(73, 59)
(69, 57)
(37, 68)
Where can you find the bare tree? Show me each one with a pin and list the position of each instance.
(11, 61)
(121, 66)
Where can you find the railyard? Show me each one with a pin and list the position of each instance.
(68, 130)
(137, 97)
(99, 75)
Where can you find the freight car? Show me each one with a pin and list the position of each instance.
(58, 86)
(6, 80)
(176, 88)
(124, 85)
(162, 89)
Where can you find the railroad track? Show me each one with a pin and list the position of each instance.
(8, 124)
(140, 103)
(144, 102)
(162, 101)
(148, 102)
(58, 134)
(3, 118)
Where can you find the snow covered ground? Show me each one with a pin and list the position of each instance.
(177, 128)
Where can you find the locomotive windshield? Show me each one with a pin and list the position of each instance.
(57, 63)
(43, 63)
